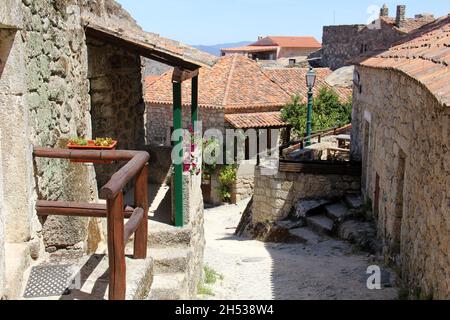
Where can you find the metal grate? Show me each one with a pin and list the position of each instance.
(49, 280)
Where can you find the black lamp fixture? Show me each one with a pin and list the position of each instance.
(310, 78)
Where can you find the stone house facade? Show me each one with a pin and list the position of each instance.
(401, 133)
(275, 48)
(59, 79)
(344, 42)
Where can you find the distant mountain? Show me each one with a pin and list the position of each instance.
(215, 49)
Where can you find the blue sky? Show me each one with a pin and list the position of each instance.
(221, 21)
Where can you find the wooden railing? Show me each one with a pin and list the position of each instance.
(114, 211)
(349, 168)
(300, 143)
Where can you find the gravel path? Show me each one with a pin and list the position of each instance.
(257, 270)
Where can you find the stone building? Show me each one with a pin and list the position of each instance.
(234, 87)
(67, 68)
(236, 93)
(275, 48)
(342, 43)
(401, 130)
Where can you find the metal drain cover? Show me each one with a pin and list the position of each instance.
(49, 280)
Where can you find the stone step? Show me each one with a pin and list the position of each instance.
(168, 286)
(321, 224)
(305, 233)
(338, 212)
(170, 260)
(354, 201)
(161, 235)
(94, 278)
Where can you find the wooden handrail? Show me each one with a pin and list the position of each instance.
(110, 155)
(123, 176)
(317, 134)
(80, 209)
(132, 224)
(114, 210)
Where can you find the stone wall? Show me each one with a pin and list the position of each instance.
(294, 52)
(342, 43)
(2, 232)
(44, 100)
(194, 218)
(245, 177)
(159, 121)
(58, 106)
(117, 107)
(401, 133)
(275, 196)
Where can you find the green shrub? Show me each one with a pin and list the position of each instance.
(227, 178)
(328, 112)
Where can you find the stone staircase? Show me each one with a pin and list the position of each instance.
(342, 218)
(171, 253)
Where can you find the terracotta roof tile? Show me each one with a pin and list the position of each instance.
(234, 82)
(250, 49)
(293, 80)
(256, 120)
(424, 55)
(288, 42)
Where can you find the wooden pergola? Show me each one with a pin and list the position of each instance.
(185, 69)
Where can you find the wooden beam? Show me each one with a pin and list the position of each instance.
(116, 248)
(141, 200)
(75, 209)
(320, 167)
(179, 75)
(194, 102)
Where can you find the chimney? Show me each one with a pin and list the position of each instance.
(400, 18)
(384, 11)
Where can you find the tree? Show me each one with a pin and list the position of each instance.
(328, 112)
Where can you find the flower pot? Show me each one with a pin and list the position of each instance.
(91, 146)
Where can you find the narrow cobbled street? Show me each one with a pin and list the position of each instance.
(256, 270)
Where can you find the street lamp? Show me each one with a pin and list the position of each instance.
(310, 81)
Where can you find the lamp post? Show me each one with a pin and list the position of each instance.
(310, 81)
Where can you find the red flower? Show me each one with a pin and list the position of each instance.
(186, 167)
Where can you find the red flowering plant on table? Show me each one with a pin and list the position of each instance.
(191, 157)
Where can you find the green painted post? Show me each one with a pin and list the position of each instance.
(178, 168)
(308, 117)
(194, 104)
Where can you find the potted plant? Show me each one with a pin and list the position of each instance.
(97, 144)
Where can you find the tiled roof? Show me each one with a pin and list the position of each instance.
(150, 79)
(251, 49)
(234, 82)
(424, 56)
(288, 42)
(130, 33)
(293, 81)
(409, 24)
(256, 120)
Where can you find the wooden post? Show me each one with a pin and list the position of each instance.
(116, 248)
(178, 168)
(141, 201)
(194, 104)
(258, 159)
